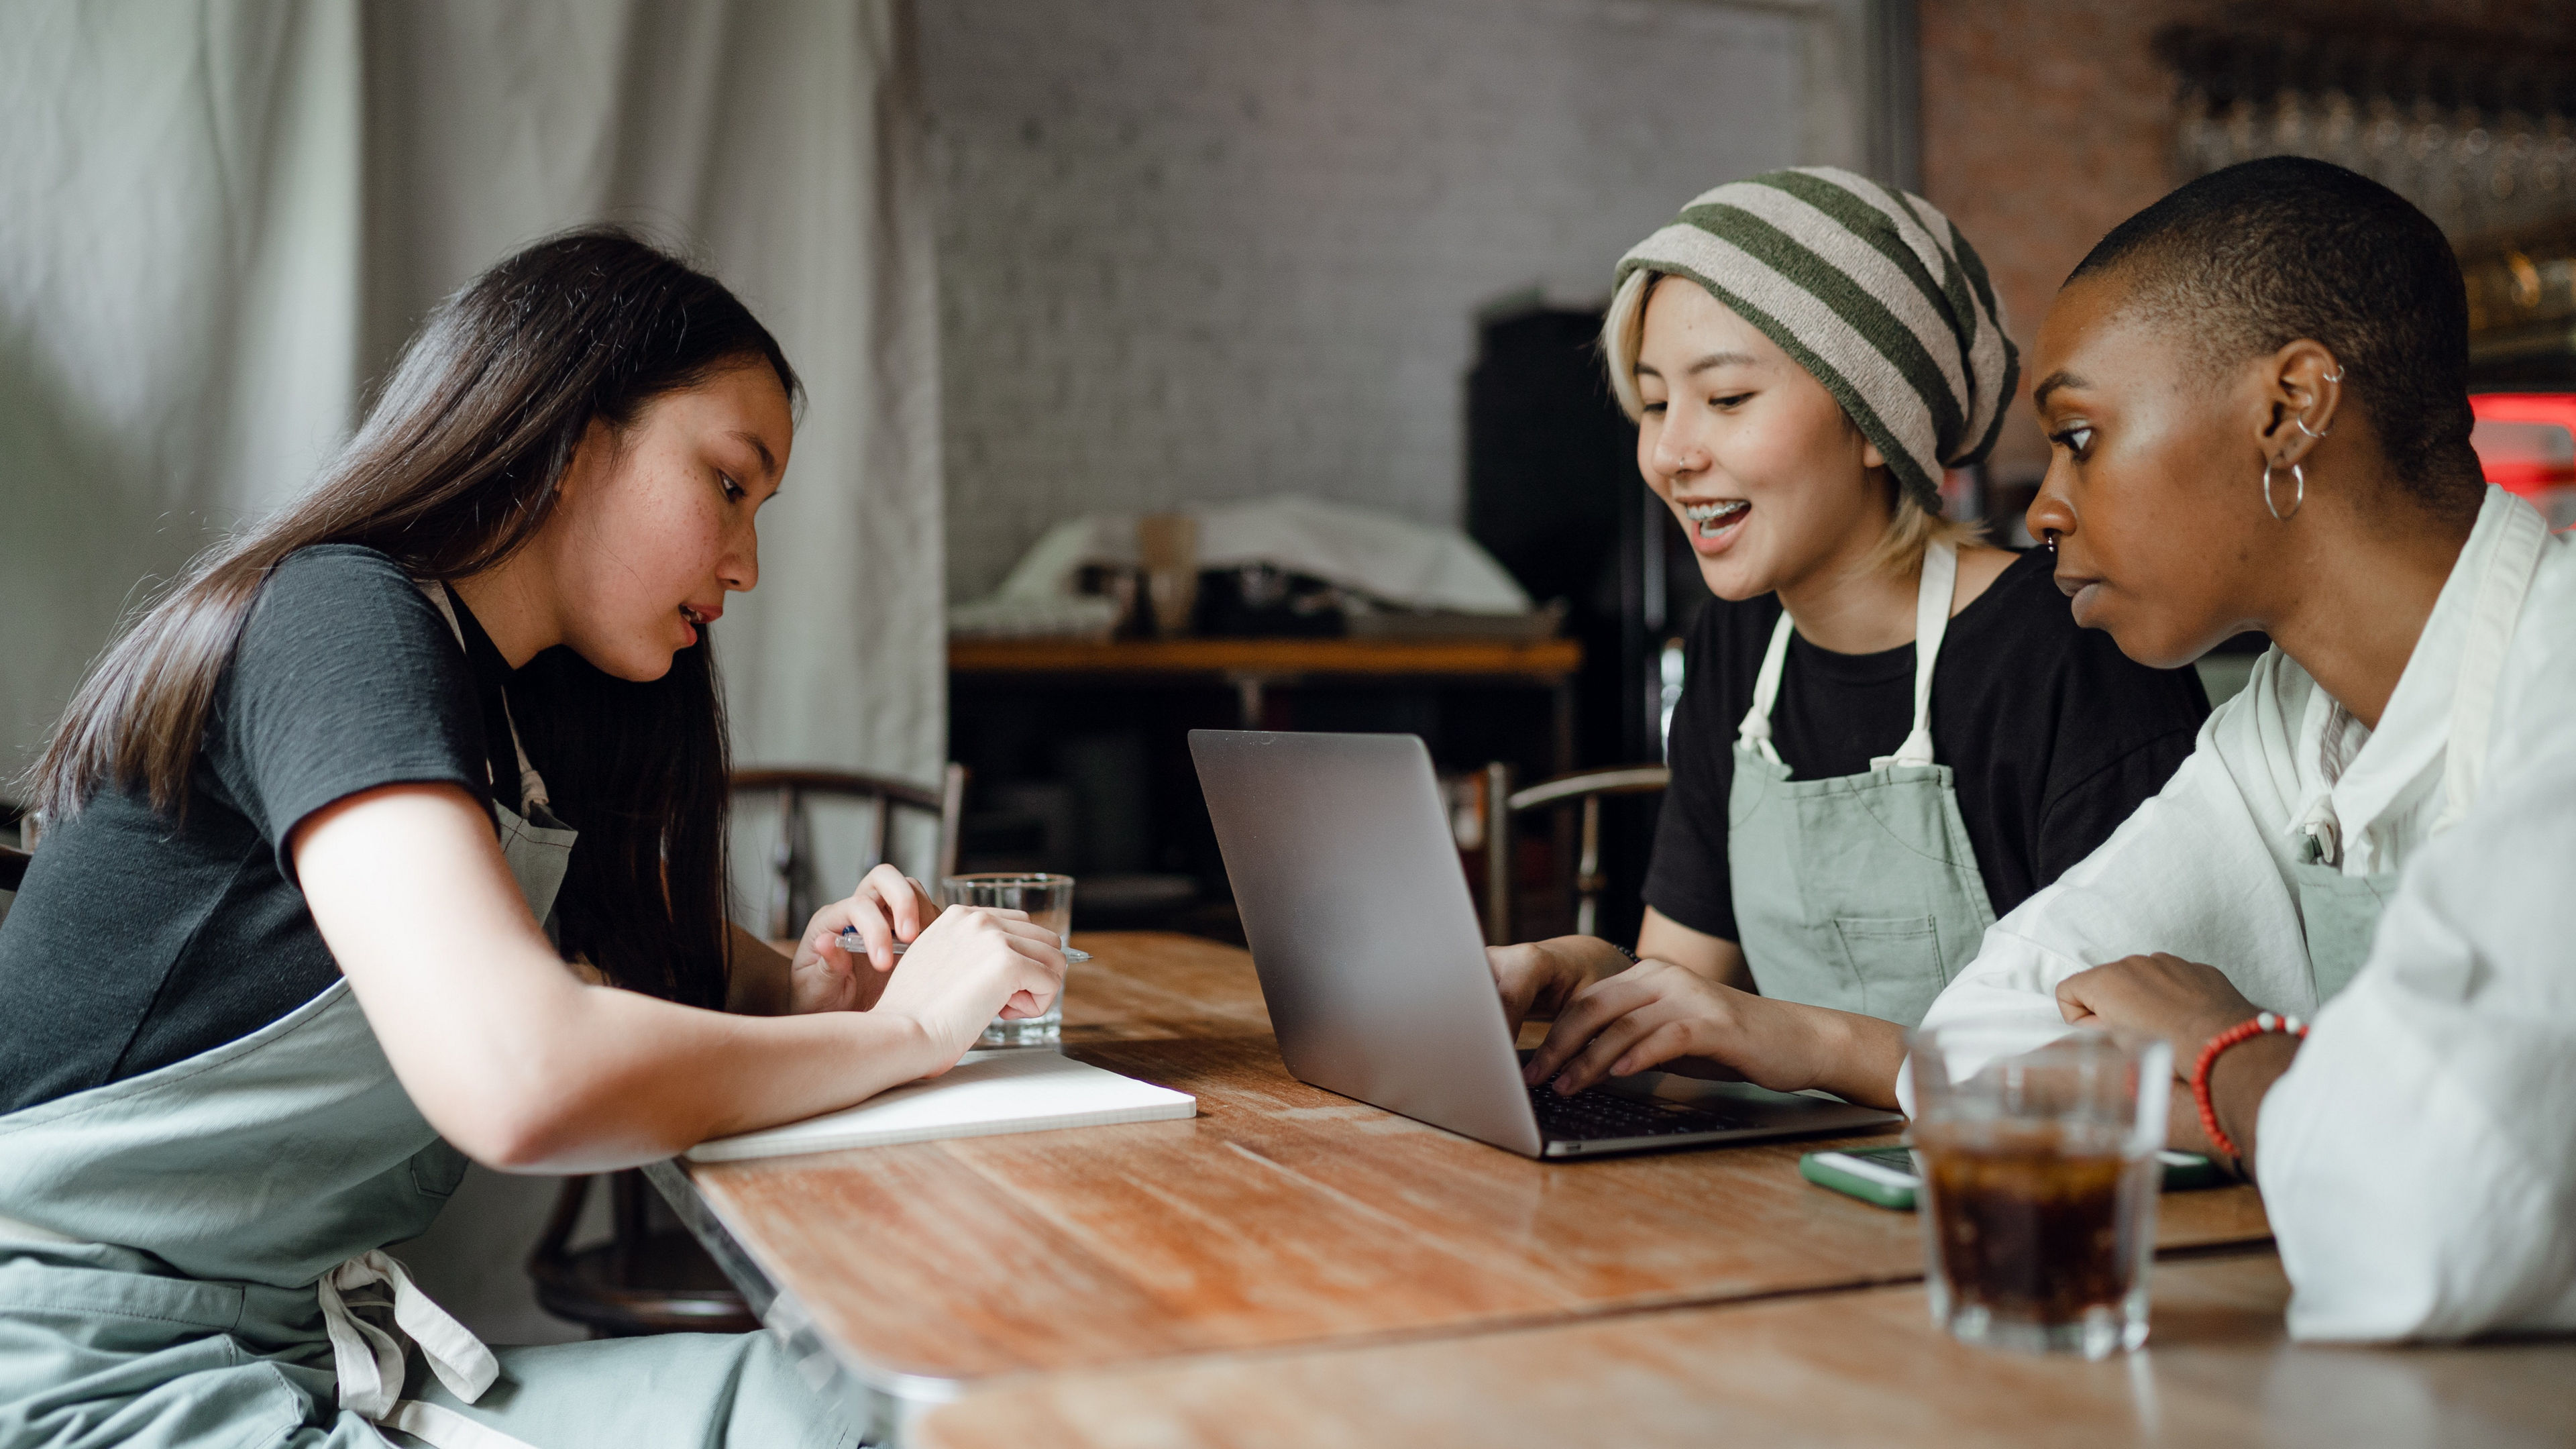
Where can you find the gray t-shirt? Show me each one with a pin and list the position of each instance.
(138, 941)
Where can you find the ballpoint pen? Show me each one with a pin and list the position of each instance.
(857, 945)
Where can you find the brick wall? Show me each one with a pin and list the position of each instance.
(2048, 122)
(1214, 249)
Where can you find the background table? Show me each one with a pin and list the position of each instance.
(1861, 1367)
(1254, 667)
(1281, 1216)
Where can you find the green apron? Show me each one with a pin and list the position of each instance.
(1860, 893)
(2339, 913)
(194, 1257)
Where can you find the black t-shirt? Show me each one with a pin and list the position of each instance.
(2052, 735)
(136, 941)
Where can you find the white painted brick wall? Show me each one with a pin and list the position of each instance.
(1216, 249)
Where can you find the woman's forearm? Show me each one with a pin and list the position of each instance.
(1711, 958)
(1857, 1057)
(611, 1078)
(515, 1060)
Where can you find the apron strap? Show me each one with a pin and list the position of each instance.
(1931, 622)
(1932, 598)
(532, 786)
(2500, 595)
(367, 1356)
(1755, 733)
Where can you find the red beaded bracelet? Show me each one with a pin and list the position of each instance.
(2242, 1031)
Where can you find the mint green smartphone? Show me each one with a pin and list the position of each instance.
(1886, 1175)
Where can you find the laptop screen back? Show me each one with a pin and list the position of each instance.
(1355, 905)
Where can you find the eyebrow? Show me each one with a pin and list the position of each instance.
(2051, 383)
(768, 460)
(1714, 359)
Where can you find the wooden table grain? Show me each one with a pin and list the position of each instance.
(1281, 1215)
(1860, 1368)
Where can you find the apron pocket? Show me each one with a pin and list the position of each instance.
(1897, 960)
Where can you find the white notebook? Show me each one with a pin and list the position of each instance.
(986, 1094)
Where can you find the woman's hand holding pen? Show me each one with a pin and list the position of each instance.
(967, 967)
(888, 906)
(962, 968)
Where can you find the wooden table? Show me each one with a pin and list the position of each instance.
(1859, 1368)
(1254, 667)
(1282, 1216)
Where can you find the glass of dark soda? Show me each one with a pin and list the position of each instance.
(2037, 1150)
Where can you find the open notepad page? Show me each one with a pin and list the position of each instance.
(987, 1093)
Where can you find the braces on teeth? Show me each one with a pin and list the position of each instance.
(1713, 518)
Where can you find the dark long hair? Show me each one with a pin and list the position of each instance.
(455, 468)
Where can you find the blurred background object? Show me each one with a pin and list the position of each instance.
(1329, 271)
(2527, 443)
(1167, 550)
(2471, 126)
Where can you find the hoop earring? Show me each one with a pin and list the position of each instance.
(2297, 501)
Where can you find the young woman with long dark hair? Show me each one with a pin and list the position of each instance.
(393, 836)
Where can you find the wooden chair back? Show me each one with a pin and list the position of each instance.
(794, 893)
(1583, 788)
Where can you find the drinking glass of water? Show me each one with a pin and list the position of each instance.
(1049, 901)
(2037, 1150)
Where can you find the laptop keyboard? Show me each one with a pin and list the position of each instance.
(1595, 1116)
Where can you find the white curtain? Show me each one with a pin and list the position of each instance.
(219, 220)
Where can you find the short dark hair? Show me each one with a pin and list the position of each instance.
(2252, 258)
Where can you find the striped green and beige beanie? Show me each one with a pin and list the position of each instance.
(1873, 291)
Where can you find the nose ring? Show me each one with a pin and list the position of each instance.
(2049, 536)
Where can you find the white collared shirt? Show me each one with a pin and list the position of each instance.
(2418, 1160)
(2202, 870)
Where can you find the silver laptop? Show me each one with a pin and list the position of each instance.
(1373, 963)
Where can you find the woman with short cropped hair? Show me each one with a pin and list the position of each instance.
(2257, 392)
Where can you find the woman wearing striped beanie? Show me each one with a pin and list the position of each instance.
(1889, 733)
